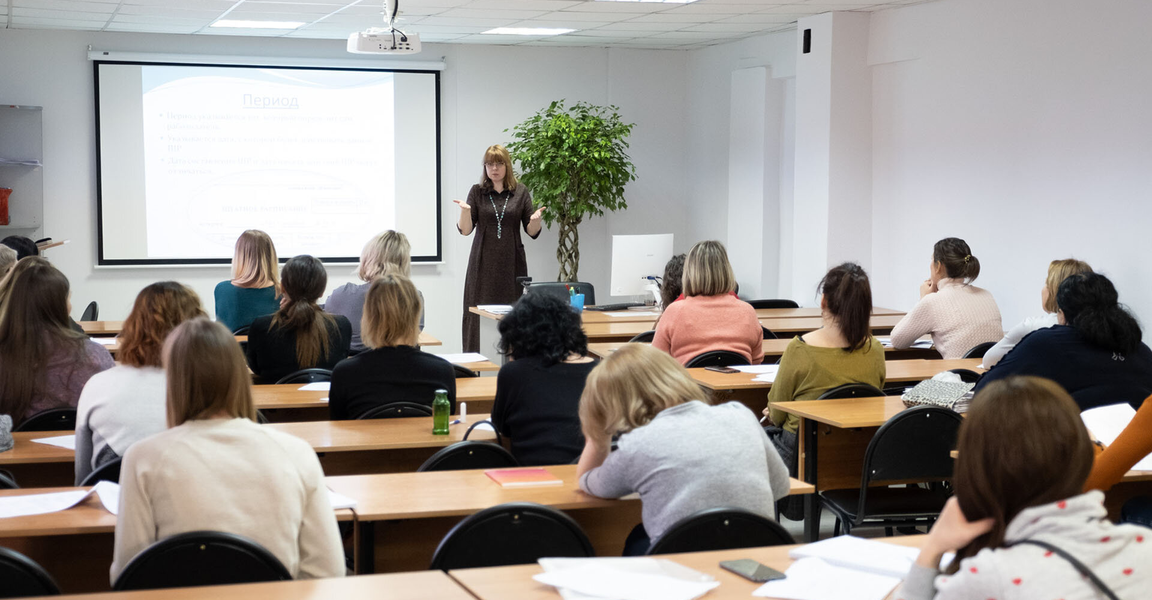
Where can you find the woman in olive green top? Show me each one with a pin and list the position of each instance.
(841, 351)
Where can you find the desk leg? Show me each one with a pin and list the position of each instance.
(489, 335)
(365, 547)
(811, 501)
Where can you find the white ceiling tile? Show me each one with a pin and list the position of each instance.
(282, 8)
(177, 12)
(513, 15)
(19, 22)
(763, 18)
(64, 15)
(674, 18)
(542, 5)
(624, 34)
(450, 22)
(154, 20)
(729, 27)
(709, 8)
(619, 7)
(587, 16)
(634, 25)
(581, 25)
(444, 29)
(72, 5)
(150, 28)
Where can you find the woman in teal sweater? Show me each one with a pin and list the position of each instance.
(254, 289)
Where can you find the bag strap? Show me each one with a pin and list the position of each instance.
(499, 439)
(1079, 566)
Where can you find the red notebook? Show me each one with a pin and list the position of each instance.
(523, 477)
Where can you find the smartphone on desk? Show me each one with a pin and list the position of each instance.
(722, 369)
(751, 570)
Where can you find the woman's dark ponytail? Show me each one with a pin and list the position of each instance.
(957, 259)
(848, 298)
(1091, 305)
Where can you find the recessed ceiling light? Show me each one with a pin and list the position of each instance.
(537, 31)
(258, 24)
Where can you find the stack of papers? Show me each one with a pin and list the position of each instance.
(815, 579)
(496, 309)
(39, 504)
(105, 341)
(886, 341)
(623, 579)
(1107, 422)
(68, 442)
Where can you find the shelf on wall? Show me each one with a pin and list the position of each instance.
(19, 107)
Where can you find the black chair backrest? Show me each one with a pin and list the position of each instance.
(559, 289)
(307, 376)
(53, 419)
(979, 350)
(462, 371)
(851, 390)
(768, 335)
(967, 375)
(915, 445)
(200, 558)
(242, 330)
(511, 534)
(462, 456)
(721, 529)
(773, 303)
(91, 312)
(109, 471)
(8, 480)
(23, 577)
(646, 337)
(717, 358)
(397, 410)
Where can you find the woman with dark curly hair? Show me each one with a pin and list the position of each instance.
(538, 391)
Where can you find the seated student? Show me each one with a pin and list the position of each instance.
(1094, 351)
(388, 252)
(215, 469)
(393, 369)
(538, 392)
(710, 317)
(680, 453)
(43, 363)
(300, 335)
(125, 404)
(255, 285)
(958, 314)
(22, 245)
(672, 284)
(842, 351)
(1023, 457)
(1058, 271)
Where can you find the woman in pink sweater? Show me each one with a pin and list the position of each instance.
(710, 317)
(958, 314)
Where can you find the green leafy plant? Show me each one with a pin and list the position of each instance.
(575, 162)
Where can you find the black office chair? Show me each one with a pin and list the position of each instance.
(717, 358)
(397, 410)
(200, 558)
(645, 337)
(91, 312)
(8, 481)
(913, 446)
(773, 303)
(721, 529)
(851, 390)
(462, 371)
(979, 350)
(53, 419)
(511, 534)
(109, 471)
(768, 335)
(559, 289)
(23, 577)
(242, 330)
(463, 456)
(967, 375)
(312, 375)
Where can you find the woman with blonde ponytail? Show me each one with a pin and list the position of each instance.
(300, 335)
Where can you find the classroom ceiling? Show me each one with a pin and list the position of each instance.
(598, 23)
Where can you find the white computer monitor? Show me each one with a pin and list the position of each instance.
(637, 257)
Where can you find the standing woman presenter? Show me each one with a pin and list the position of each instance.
(493, 209)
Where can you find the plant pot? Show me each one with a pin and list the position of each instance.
(4, 193)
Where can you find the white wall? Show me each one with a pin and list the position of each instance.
(485, 89)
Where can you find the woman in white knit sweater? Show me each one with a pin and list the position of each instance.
(217, 470)
(125, 404)
(1019, 524)
(956, 313)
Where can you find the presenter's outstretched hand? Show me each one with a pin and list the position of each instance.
(536, 215)
(463, 204)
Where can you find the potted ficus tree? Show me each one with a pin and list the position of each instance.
(575, 162)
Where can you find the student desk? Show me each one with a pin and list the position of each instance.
(516, 583)
(423, 585)
(74, 545)
(401, 517)
(774, 349)
(113, 328)
(288, 403)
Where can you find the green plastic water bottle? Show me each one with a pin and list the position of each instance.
(440, 409)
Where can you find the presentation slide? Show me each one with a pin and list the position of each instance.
(320, 159)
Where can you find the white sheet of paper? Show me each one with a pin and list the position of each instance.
(633, 313)
(606, 581)
(319, 386)
(767, 377)
(466, 357)
(340, 501)
(68, 442)
(104, 341)
(885, 341)
(39, 504)
(759, 369)
(636, 564)
(1106, 423)
(499, 309)
(865, 555)
(109, 494)
(815, 579)
(483, 427)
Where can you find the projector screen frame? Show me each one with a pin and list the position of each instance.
(432, 69)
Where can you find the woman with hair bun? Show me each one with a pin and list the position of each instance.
(956, 313)
(1095, 351)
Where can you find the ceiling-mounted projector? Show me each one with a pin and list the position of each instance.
(385, 40)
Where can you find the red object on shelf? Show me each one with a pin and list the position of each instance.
(4, 193)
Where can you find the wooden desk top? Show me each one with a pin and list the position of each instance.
(516, 583)
(646, 315)
(898, 371)
(113, 328)
(771, 347)
(468, 389)
(806, 324)
(417, 585)
(380, 434)
(87, 517)
(25, 451)
(846, 413)
(393, 496)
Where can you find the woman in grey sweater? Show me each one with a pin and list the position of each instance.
(1019, 523)
(682, 455)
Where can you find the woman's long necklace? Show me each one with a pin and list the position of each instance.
(499, 215)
